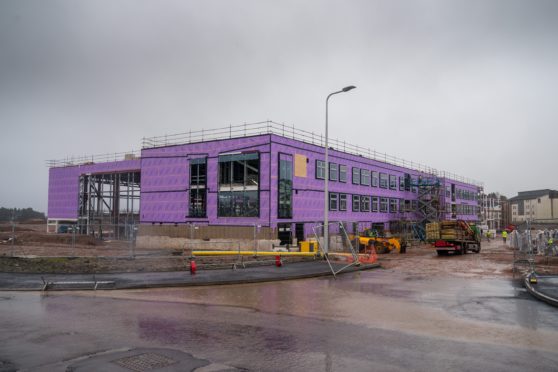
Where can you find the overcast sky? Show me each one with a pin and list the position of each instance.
(468, 86)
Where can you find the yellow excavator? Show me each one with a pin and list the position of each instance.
(369, 238)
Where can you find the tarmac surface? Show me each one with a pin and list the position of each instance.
(545, 290)
(255, 274)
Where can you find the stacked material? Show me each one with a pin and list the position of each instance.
(432, 231)
(451, 230)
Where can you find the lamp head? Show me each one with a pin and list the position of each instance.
(350, 87)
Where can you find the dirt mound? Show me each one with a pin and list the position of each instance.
(29, 237)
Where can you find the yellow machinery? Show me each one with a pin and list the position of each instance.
(381, 244)
(309, 246)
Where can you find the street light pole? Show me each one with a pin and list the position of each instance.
(326, 178)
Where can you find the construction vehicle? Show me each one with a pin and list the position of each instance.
(369, 238)
(458, 237)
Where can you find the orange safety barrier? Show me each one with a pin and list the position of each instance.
(369, 257)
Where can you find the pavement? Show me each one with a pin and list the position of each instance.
(546, 288)
(138, 280)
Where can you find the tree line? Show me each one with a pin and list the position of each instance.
(23, 214)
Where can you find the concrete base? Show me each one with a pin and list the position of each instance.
(166, 242)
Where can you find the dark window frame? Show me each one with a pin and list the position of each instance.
(374, 201)
(384, 205)
(384, 180)
(342, 173)
(333, 197)
(355, 175)
(250, 194)
(284, 189)
(320, 166)
(341, 202)
(365, 203)
(393, 209)
(392, 182)
(356, 202)
(198, 188)
(333, 170)
(374, 179)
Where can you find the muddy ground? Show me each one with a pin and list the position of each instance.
(35, 251)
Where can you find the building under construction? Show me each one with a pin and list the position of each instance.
(264, 177)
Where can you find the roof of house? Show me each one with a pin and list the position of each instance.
(533, 194)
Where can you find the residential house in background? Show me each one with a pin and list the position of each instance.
(491, 210)
(535, 205)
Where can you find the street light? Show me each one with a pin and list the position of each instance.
(326, 196)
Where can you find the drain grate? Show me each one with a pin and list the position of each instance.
(144, 362)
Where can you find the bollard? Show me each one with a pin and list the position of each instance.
(278, 261)
(193, 267)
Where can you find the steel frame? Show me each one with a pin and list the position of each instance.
(109, 202)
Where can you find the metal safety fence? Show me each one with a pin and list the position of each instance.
(533, 248)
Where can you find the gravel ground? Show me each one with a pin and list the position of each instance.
(494, 260)
(41, 252)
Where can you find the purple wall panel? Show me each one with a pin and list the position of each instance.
(63, 184)
(166, 169)
(166, 207)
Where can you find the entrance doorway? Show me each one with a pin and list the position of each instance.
(284, 233)
(299, 232)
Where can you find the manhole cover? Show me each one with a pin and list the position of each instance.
(144, 362)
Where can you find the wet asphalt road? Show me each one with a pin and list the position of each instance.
(371, 320)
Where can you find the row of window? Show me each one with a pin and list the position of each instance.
(466, 194)
(466, 209)
(364, 177)
(366, 203)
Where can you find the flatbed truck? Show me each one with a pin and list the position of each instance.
(458, 237)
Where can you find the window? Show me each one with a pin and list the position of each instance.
(383, 205)
(392, 182)
(333, 172)
(374, 204)
(375, 180)
(333, 201)
(365, 203)
(365, 177)
(407, 206)
(356, 176)
(238, 204)
(407, 181)
(320, 169)
(198, 184)
(401, 203)
(356, 203)
(413, 187)
(342, 202)
(414, 205)
(285, 209)
(342, 173)
(401, 183)
(521, 208)
(239, 185)
(393, 205)
(383, 180)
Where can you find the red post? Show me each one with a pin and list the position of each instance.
(193, 267)
(278, 262)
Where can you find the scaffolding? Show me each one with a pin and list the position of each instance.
(431, 203)
(109, 204)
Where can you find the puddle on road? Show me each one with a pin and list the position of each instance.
(491, 311)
